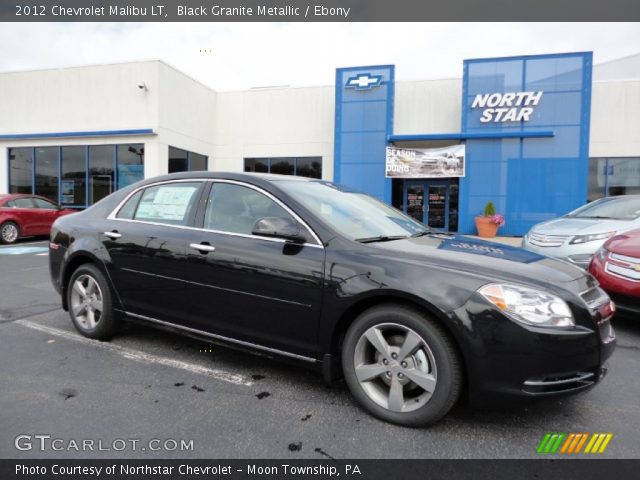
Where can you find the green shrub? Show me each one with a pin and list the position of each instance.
(489, 210)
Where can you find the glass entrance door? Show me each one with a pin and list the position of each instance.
(436, 211)
(428, 202)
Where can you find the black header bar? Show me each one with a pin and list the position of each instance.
(318, 10)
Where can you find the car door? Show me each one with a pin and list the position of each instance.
(146, 240)
(262, 290)
(25, 211)
(46, 214)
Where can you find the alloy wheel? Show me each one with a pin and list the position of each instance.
(395, 367)
(86, 301)
(9, 233)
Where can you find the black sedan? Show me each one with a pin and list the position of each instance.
(334, 278)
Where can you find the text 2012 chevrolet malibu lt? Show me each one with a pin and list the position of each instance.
(315, 272)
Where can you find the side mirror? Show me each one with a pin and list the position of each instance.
(278, 227)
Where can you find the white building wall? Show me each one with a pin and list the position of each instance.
(274, 122)
(428, 106)
(615, 119)
(102, 97)
(186, 116)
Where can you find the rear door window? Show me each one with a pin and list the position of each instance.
(170, 203)
(23, 203)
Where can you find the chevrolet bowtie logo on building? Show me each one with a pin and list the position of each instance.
(364, 81)
(573, 443)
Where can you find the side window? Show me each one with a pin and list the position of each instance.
(40, 203)
(236, 209)
(129, 208)
(168, 203)
(23, 202)
(10, 204)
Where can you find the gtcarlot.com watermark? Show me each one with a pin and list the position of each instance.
(47, 443)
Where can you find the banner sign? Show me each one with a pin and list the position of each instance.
(425, 162)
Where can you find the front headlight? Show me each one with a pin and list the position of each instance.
(529, 306)
(602, 254)
(590, 238)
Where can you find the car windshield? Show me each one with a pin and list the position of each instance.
(355, 215)
(618, 208)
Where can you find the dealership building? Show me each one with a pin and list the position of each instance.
(536, 135)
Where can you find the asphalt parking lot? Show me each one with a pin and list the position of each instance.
(147, 384)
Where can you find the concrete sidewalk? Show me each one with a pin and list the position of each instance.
(513, 241)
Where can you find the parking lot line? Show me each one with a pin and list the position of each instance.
(138, 356)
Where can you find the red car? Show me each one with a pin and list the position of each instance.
(27, 215)
(617, 267)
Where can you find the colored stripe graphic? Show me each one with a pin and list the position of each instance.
(572, 443)
(551, 442)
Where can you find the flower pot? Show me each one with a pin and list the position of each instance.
(486, 228)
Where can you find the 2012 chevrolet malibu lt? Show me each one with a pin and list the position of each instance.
(315, 272)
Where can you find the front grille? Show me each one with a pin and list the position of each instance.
(595, 297)
(624, 266)
(542, 240)
(559, 383)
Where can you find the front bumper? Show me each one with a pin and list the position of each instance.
(507, 359)
(578, 254)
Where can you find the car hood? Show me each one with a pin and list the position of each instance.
(625, 244)
(494, 261)
(580, 226)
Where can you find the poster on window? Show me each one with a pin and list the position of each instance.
(425, 162)
(68, 191)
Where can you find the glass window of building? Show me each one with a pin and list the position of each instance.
(101, 173)
(74, 174)
(184, 161)
(20, 170)
(178, 160)
(46, 172)
(613, 176)
(197, 162)
(301, 166)
(130, 164)
(259, 165)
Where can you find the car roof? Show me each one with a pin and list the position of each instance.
(250, 177)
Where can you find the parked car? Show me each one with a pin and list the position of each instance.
(27, 216)
(576, 236)
(337, 280)
(617, 267)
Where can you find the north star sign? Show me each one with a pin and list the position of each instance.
(506, 107)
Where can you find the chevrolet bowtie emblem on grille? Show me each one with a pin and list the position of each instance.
(636, 268)
(364, 81)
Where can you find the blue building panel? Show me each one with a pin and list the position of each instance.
(363, 120)
(529, 179)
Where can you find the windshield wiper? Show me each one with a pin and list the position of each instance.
(380, 238)
(421, 234)
(599, 217)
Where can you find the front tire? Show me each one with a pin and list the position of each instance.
(401, 366)
(9, 232)
(90, 303)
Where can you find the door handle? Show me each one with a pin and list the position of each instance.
(203, 247)
(113, 235)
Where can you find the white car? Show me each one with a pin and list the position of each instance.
(576, 236)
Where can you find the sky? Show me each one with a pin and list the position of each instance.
(235, 56)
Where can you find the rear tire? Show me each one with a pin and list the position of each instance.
(401, 365)
(90, 303)
(9, 232)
